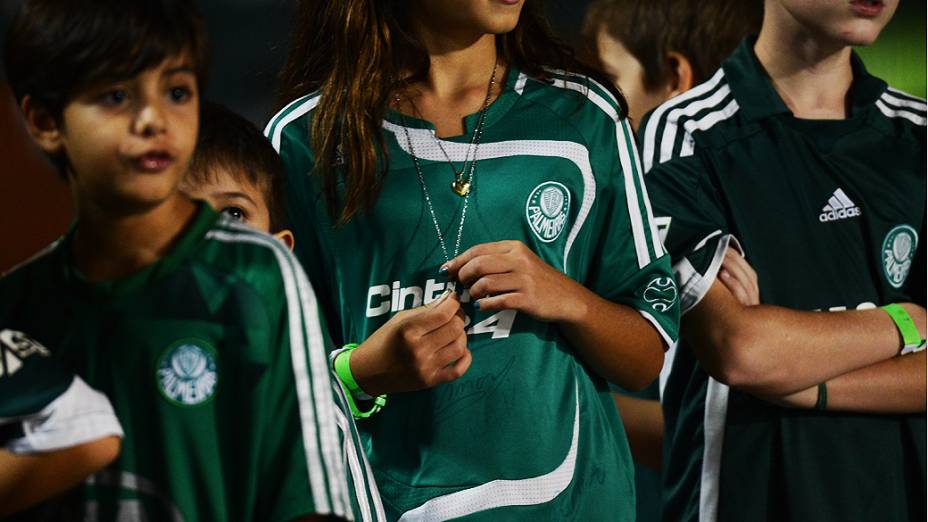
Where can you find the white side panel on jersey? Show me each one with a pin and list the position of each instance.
(716, 409)
(314, 396)
(501, 493)
(426, 146)
(79, 415)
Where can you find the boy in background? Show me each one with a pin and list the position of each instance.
(811, 404)
(203, 333)
(236, 170)
(657, 49)
(654, 50)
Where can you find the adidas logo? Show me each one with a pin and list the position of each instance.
(839, 206)
(15, 347)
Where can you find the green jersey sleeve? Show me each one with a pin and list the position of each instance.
(288, 132)
(629, 264)
(300, 455)
(691, 218)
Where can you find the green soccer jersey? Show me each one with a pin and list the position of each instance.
(215, 362)
(43, 406)
(830, 214)
(529, 432)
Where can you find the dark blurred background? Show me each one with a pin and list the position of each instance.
(249, 41)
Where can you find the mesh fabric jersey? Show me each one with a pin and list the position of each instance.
(529, 432)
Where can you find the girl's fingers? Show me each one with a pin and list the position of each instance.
(483, 265)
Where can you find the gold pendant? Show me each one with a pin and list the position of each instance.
(460, 187)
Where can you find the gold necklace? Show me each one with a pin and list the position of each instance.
(461, 185)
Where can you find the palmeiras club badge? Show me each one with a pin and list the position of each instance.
(898, 251)
(187, 373)
(547, 209)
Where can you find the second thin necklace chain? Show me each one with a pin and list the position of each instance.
(461, 186)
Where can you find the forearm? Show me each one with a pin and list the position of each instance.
(644, 424)
(26, 480)
(771, 350)
(614, 339)
(893, 386)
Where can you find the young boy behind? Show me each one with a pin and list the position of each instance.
(221, 385)
(236, 170)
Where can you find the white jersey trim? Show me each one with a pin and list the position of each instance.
(426, 147)
(274, 130)
(360, 469)
(668, 341)
(705, 123)
(650, 131)
(694, 285)
(630, 168)
(79, 415)
(501, 493)
(306, 342)
(714, 414)
(891, 112)
(666, 369)
(669, 138)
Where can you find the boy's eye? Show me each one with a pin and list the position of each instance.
(234, 213)
(179, 94)
(114, 97)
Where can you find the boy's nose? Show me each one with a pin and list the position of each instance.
(149, 121)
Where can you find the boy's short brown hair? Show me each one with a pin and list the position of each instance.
(705, 31)
(229, 140)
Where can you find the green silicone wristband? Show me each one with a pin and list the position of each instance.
(822, 402)
(911, 339)
(350, 385)
(343, 369)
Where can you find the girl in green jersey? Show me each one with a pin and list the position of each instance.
(439, 145)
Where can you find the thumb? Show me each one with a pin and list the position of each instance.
(441, 299)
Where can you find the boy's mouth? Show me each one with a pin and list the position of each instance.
(153, 162)
(867, 8)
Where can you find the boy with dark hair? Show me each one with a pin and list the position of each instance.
(656, 49)
(811, 404)
(222, 386)
(237, 171)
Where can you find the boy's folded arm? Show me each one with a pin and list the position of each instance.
(771, 350)
(26, 480)
(893, 386)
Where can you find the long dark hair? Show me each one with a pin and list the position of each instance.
(354, 51)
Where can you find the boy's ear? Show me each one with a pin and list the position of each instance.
(41, 125)
(682, 73)
(286, 237)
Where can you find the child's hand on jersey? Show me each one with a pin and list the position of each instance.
(507, 275)
(740, 278)
(414, 350)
